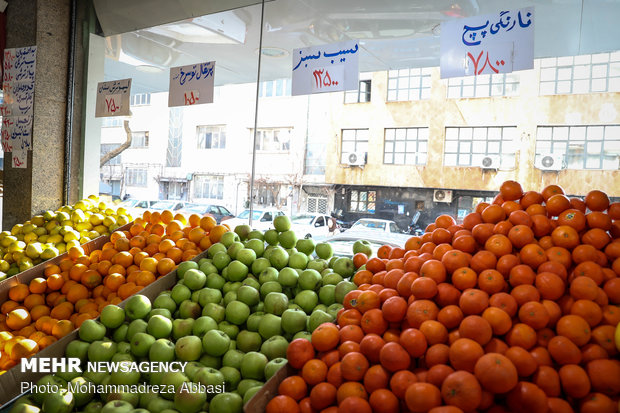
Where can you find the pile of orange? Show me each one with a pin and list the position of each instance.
(514, 310)
(80, 286)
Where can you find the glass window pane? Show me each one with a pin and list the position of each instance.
(547, 74)
(593, 162)
(452, 133)
(464, 159)
(594, 147)
(581, 72)
(595, 132)
(578, 132)
(410, 159)
(389, 146)
(451, 146)
(422, 147)
(465, 133)
(399, 158)
(399, 147)
(560, 133)
(467, 92)
(464, 147)
(564, 87)
(388, 158)
(479, 147)
(543, 133)
(493, 148)
(449, 159)
(565, 73)
(401, 134)
(599, 85)
(581, 86)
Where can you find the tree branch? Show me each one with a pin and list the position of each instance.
(116, 151)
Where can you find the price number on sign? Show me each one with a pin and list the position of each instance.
(112, 104)
(327, 79)
(191, 97)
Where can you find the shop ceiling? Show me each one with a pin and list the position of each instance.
(146, 37)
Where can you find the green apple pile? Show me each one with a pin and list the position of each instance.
(230, 316)
(52, 233)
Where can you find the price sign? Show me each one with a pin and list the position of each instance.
(327, 79)
(191, 85)
(113, 98)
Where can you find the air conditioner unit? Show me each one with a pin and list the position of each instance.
(355, 158)
(490, 162)
(550, 162)
(442, 195)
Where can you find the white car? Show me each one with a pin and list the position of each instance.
(379, 225)
(262, 218)
(311, 225)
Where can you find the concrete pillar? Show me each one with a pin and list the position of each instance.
(46, 24)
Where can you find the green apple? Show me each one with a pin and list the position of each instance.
(298, 260)
(327, 294)
(249, 341)
(188, 348)
(342, 289)
(216, 281)
(159, 405)
(303, 334)
(317, 264)
(253, 365)
(256, 245)
(215, 342)
(159, 326)
(233, 249)
(273, 366)
(81, 398)
(141, 343)
(112, 316)
(180, 293)
(137, 306)
(307, 300)
(362, 246)
(94, 406)
(243, 231)
(344, 266)
(162, 350)
(232, 377)
(215, 311)
(274, 347)
(317, 318)
(60, 402)
(215, 248)
(288, 277)
(221, 260)
(101, 350)
(207, 267)
(232, 358)
(120, 333)
(173, 378)
(189, 309)
(321, 307)
(237, 312)
(331, 278)
(282, 223)
(271, 237)
(228, 238)
(182, 327)
(209, 295)
(247, 384)
(231, 330)
(77, 349)
(184, 267)
(247, 255)
(194, 278)
(278, 258)
(276, 303)
(324, 250)
(268, 274)
(121, 377)
(91, 330)
(251, 392)
(333, 309)
(237, 271)
(309, 279)
(160, 311)
(45, 383)
(270, 287)
(209, 376)
(293, 320)
(305, 245)
(136, 326)
(188, 401)
(256, 234)
(248, 295)
(230, 297)
(192, 368)
(165, 301)
(202, 325)
(270, 325)
(210, 361)
(119, 394)
(226, 403)
(259, 265)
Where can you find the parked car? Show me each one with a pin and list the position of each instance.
(136, 206)
(216, 211)
(171, 205)
(262, 218)
(311, 225)
(342, 244)
(383, 229)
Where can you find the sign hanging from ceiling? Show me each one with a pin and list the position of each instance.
(489, 44)
(191, 85)
(328, 68)
(113, 98)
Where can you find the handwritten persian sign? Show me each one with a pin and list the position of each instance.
(113, 98)
(191, 85)
(16, 110)
(328, 68)
(489, 44)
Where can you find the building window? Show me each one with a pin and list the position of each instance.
(112, 122)
(353, 140)
(409, 84)
(361, 95)
(273, 139)
(363, 201)
(209, 186)
(317, 204)
(140, 99)
(316, 155)
(272, 88)
(469, 146)
(482, 86)
(106, 148)
(211, 137)
(405, 146)
(140, 140)
(583, 147)
(135, 176)
(580, 74)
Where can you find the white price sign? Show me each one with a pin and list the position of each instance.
(113, 98)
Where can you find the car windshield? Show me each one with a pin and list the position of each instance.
(197, 209)
(364, 223)
(246, 214)
(163, 205)
(302, 219)
(129, 203)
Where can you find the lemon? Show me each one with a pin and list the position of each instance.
(28, 228)
(17, 246)
(62, 247)
(73, 243)
(55, 238)
(43, 238)
(25, 265)
(30, 237)
(617, 336)
(78, 216)
(84, 240)
(93, 234)
(71, 235)
(38, 220)
(114, 227)
(40, 231)
(34, 250)
(62, 216)
(83, 226)
(96, 219)
(101, 229)
(108, 221)
(122, 211)
(109, 211)
(17, 229)
(4, 265)
(102, 206)
(122, 220)
(8, 241)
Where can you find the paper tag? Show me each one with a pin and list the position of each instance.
(19, 157)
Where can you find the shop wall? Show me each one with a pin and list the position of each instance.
(525, 111)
